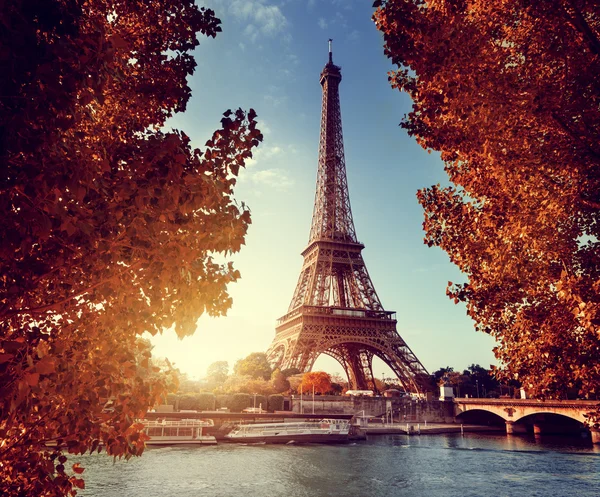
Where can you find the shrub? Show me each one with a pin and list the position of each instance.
(240, 401)
(275, 402)
(223, 400)
(189, 402)
(207, 401)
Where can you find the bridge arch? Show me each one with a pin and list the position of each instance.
(552, 414)
(481, 416)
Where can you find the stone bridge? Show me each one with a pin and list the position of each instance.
(526, 415)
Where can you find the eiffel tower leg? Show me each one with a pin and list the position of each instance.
(340, 355)
(367, 362)
(358, 361)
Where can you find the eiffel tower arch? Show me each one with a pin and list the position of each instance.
(335, 309)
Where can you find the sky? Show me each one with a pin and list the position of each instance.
(269, 57)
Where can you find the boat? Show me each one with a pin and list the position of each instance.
(320, 431)
(178, 432)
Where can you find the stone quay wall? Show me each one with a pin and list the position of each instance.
(402, 410)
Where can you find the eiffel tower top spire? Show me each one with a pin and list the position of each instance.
(332, 215)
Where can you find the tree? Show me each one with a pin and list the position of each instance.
(481, 378)
(320, 380)
(187, 385)
(338, 383)
(217, 372)
(255, 365)
(379, 385)
(508, 93)
(247, 384)
(109, 225)
(279, 381)
(438, 376)
(290, 372)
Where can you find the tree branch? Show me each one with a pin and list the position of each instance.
(581, 24)
(55, 305)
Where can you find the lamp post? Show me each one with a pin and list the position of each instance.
(301, 399)
(477, 383)
(313, 401)
(254, 404)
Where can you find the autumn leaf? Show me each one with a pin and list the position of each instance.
(507, 92)
(101, 211)
(45, 365)
(32, 379)
(5, 357)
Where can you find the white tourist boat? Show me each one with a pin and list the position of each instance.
(320, 431)
(179, 432)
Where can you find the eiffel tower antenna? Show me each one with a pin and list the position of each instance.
(335, 309)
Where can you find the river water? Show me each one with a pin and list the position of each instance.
(390, 466)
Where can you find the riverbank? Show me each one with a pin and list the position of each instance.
(426, 429)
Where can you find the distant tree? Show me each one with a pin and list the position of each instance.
(438, 376)
(255, 365)
(247, 384)
(290, 372)
(379, 384)
(482, 378)
(279, 382)
(295, 382)
(508, 93)
(109, 225)
(319, 379)
(187, 385)
(461, 383)
(217, 372)
(338, 384)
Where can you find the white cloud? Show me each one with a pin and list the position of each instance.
(274, 100)
(340, 19)
(251, 32)
(322, 23)
(263, 126)
(354, 35)
(264, 152)
(274, 96)
(264, 19)
(274, 178)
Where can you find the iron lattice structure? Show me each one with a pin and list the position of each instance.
(335, 309)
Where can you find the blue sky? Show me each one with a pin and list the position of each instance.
(269, 57)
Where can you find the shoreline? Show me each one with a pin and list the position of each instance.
(428, 429)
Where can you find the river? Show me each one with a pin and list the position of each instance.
(394, 465)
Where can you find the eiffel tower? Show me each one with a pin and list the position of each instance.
(335, 309)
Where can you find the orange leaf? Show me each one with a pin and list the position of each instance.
(78, 469)
(32, 379)
(45, 365)
(5, 357)
(79, 483)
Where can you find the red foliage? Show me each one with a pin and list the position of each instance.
(107, 223)
(508, 92)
